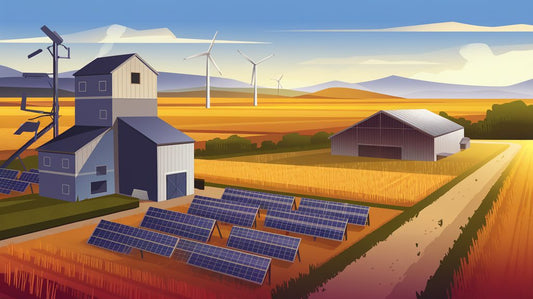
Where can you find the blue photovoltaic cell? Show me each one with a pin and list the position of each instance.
(13, 185)
(34, 170)
(31, 177)
(226, 261)
(355, 214)
(121, 238)
(228, 212)
(8, 173)
(266, 201)
(264, 243)
(4, 191)
(180, 224)
(306, 224)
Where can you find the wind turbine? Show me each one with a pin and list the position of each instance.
(208, 58)
(279, 82)
(254, 72)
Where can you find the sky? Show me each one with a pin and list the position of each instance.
(313, 41)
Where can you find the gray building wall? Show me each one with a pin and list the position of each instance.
(54, 178)
(174, 159)
(449, 143)
(93, 86)
(88, 112)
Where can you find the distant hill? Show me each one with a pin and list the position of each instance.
(345, 93)
(178, 82)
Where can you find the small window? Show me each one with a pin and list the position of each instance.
(135, 78)
(65, 163)
(65, 189)
(98, 187)
(103, 114)
(101, 170)
(82, 86)
(47, 161)
(102, 85)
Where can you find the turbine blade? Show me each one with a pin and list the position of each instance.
(247, 58)
(196, 55)
(212, 43)
(266, 58)
(214, 63)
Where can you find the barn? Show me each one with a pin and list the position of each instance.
(410, 134)
(118, 144)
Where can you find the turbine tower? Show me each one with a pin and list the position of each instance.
(208, 58)
(254, 72)
(279, 82)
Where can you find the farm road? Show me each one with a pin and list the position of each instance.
(400, 266)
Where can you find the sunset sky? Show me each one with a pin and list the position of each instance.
(313, 41)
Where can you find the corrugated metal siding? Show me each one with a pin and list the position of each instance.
(122, 86)
(174, 159)
(449, 143)
(417, 146)
(344, 143)
(134, 107)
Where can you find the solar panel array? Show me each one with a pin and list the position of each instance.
(355, 214)
(264, 243)
(226, 261)
(220, 210)
(34, 170)
(30, 177)
(8, 184)
(306, 224)
(5, 191)
(267, 201)
(122, 238)
(8, 173)
(180, 224)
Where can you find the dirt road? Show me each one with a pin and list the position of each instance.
(400, 266)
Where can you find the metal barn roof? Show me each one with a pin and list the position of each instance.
(105, 65)
(157, 130)
(72, 139)
(421, 119)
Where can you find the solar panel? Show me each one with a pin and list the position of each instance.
(5, 191)
(8, 173)
(355, 214)
(306, 224)
(264, 243)
(226, 261)
(180, 224)
(229, 212)
(13, 185)
(267, 201)
(30, 177)
(122, 238)
(34, 170)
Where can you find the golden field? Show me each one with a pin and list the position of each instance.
(500, 261)
(317, 173)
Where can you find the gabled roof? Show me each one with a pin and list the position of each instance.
(72, 139)
(106, 65)
(421, 119)
(157, 130)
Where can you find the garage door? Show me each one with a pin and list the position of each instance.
(377, 151)
(176, 185)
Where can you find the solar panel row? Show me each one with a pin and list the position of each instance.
(5, 191)
(306, 224)
(31, 177)
(34, 170)
(264, 243)
(15, 185)
(355, 214)
(119, 237)
(8, 173)
(226, 261)
(180, 224)
(265, 200)
(223, 211)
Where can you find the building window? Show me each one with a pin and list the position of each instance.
(103, 114)
(47, 161)
(82, 86)
(65, 189)
(64, 163)
(102, 85)
(98, 187)
(135, 78)
(101, 170)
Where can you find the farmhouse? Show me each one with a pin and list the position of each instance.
(413, 134)
(118, 143)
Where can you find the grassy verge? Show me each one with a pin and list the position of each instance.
(305, 284)
(30, 213)
(30, 162)
(439, 285)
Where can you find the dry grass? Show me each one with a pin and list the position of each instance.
(500, 262)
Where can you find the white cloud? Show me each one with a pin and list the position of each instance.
(397, 62)
(436, 27)
(483, 67)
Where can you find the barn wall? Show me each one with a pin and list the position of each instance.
(449, 143)
(174, 159)
(417, 146)
(53, 177)
(124, 89)
(344, 143)
(92, 84)
(87, 112)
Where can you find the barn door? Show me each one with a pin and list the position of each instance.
(176, 185)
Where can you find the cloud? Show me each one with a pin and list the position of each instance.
(397, 62)
(118, 34)
(434, 27)
(483, 67)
